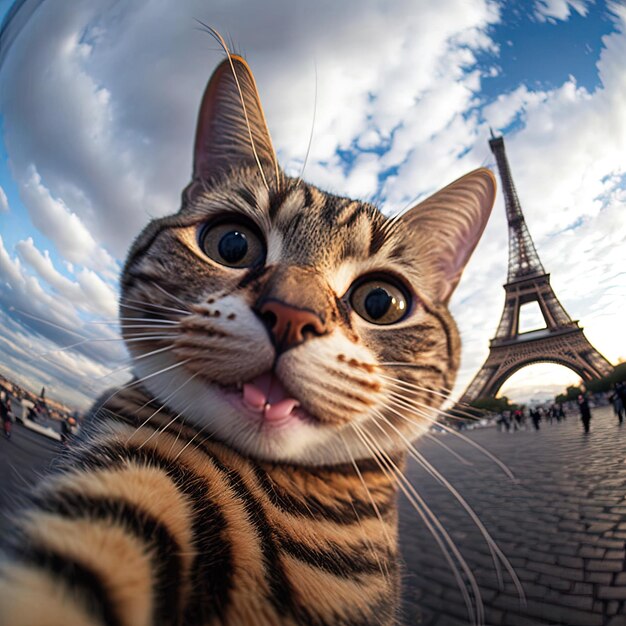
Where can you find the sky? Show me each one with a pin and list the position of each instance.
(98, 103)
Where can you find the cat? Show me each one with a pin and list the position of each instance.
(283, 340)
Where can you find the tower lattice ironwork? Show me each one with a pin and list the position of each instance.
(562, 340)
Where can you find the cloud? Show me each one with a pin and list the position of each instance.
(63, 227)
(55, 316)
(89, 293)
(553, 10)
(32, 361)
(4, 201)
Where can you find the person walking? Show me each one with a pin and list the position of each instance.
(536, 417)
(618, 399)
(5, 410)
(585, 410)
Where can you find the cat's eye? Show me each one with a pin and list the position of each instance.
(380, 301)
(232, 243)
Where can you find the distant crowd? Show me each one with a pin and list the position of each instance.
(523, 417)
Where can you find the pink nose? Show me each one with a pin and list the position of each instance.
(289, 325)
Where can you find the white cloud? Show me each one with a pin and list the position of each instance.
(90, 293)
(54, 316)
(506, 107)
(33, 361)
(4, 201)
(552, 10)
(52, 217)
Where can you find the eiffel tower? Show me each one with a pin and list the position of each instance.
(562, 340)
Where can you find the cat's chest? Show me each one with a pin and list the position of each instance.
(269, 543)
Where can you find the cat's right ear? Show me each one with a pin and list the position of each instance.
(446, 227)
(232, 131)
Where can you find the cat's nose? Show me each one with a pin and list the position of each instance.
(289, 325)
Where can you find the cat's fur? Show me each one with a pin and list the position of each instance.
(179, 508)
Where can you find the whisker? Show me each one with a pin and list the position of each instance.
(172, 296)
(138, 338)
(136, 358)
(125, 300)
(152, 320)
(367, 491)
(442, 394)
(409, 385)
(448, 449)
(198, 433)
(431, 521)
(136, 382)
(496, 553)
(461, 417)
(484, 451)
(169, 397)
(308, 148)
(384, 572)
(216, 35)
(45, 321)
(431, 413)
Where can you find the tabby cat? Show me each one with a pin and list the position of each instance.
(283, 341)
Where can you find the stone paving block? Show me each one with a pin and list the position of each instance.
(542, 557)
(591, 552)
(568, 573)
(572, 525)
(564, 550)
(611, 593)
(609, 517)
(526, 575)
(612, 607)
(604, 578)
(615, 554)
(449, 607)
(420, 616)
(618, 620)
(582, 589)
(611, 544)
(570, 561)
(604, 566)
(585, 603)
(555, 582)
(509, 603)
(514, 619)
(446, 620)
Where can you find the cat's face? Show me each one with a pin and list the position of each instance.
(292, 324)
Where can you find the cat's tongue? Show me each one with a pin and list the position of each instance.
(266, 394)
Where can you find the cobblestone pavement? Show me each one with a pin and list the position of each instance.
(563, 526)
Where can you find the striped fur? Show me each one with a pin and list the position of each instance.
(179, 509)
(179, 529)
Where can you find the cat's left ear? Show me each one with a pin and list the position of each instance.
(231, 131)
(447, 226)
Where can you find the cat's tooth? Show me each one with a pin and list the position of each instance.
(239, 385)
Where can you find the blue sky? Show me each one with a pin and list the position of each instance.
(95, 135)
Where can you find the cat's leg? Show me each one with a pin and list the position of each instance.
(107, 541)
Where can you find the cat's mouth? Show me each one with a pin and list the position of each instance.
(265, 399)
